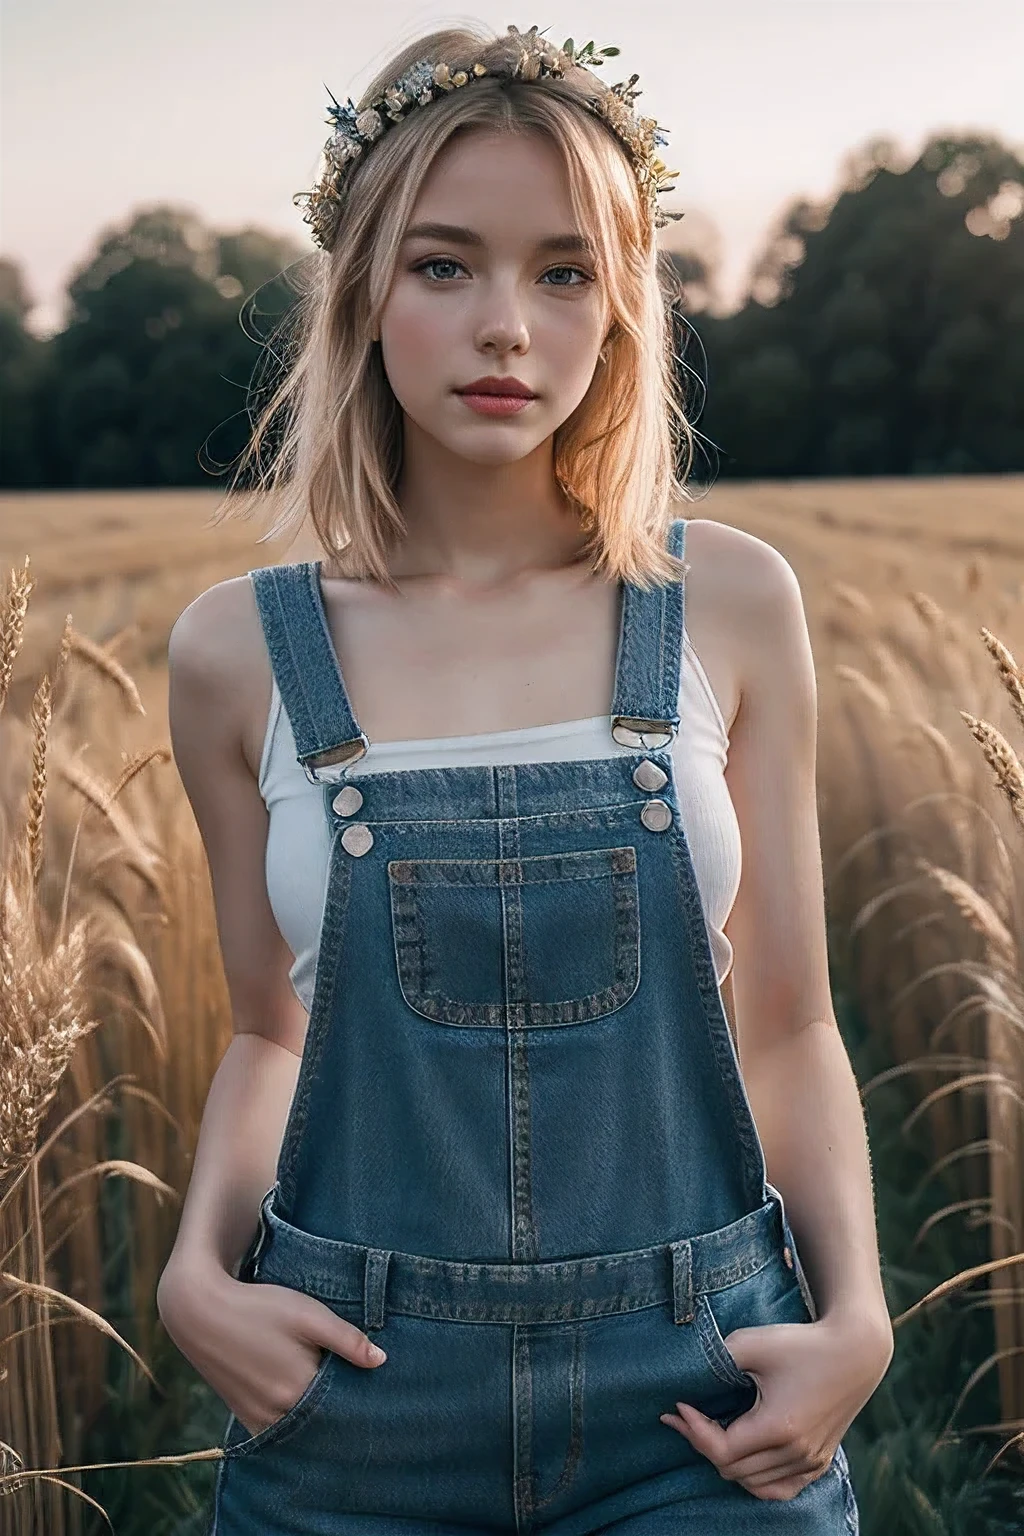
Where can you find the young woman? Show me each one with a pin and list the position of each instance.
(473, 810)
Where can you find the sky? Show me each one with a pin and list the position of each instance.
(115, 104)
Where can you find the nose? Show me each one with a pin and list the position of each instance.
(502, 325)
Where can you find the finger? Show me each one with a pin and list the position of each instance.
(759, 1466)
(357, 1346)
(764, 1478)
(753, 1434)
(338, 1334)
(787, 1489)
(703, 1433)
(772, 1461)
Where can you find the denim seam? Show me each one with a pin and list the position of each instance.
(293, 1419)
(575, 1447)
(689, 895)
(268, 589)
(310, 570)
(522, 1217)
(522, 1405)
(319, 1025)
(851, 1514)
(593, 816)
(593, 864)
(712, 1342)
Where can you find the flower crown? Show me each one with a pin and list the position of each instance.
(355, 131)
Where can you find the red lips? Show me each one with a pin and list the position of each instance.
(496, 386)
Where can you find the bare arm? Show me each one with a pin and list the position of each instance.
(251, 1091)
(795, 1066)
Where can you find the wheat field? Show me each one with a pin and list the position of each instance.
(113, 1005)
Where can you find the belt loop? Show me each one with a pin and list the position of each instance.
(374, 1287)
(682, 1281)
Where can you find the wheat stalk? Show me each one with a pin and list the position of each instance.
(978, 912)
(99, 657)
(42, 1007)
(12, 628)
(42, 713)
(1002, 759)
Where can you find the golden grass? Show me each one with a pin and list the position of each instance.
(112, 996)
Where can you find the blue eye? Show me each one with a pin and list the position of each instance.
(579, 270)
(450, 261)
(437, 261)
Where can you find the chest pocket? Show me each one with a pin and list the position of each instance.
(550, 939)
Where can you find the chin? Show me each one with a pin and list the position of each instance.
(488, 455)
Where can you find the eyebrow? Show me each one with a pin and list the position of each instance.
(459, 235)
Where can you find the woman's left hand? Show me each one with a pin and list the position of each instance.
(813, 1379)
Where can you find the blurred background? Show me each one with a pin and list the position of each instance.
(851, 327)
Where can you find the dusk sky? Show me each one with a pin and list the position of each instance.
(116, 103)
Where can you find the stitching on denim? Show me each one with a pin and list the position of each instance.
(525, 1239)
(584, 816)
(713, 1344)
(662, 625)
(732, 1274)
(522, 1408)
(625, 687)
(310, 663)
(522, 1217)
(751, 1159)
(412, 950)
(322, 1261)
(575, 1447)
(526, 1311)
(670, 637)
(293, 1419)
(851, 1513)
(620, 668)
(309, 570)
(592, 864)
(333, 927)
(269, 586)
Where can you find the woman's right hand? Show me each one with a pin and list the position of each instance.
(257, 1345)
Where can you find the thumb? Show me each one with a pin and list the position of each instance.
(323, 1326)
(349, 1340)
(755, 1349)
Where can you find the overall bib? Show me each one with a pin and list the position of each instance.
(519, 1155)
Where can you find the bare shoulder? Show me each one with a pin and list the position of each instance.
(735, 589)
(217, 651)
(735, 564)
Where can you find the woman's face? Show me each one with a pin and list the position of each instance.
(493, 280)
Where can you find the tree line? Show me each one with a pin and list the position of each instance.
(881, 333)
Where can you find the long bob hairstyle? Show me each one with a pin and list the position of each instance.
(337, 423)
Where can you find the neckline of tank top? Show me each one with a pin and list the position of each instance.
(527, 733)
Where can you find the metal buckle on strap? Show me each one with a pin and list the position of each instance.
(340, 756)
(643, 735)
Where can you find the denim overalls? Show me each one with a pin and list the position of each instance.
(519, 1154)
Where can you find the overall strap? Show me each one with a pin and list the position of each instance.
(645, 709)
(305, 663)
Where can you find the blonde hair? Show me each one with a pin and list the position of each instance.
(339, 453)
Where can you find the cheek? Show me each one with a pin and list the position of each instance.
(411, 334)
(573, 347)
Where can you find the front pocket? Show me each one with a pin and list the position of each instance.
(771, 1295)
(716, 1351)
(549, 939)
(293, 1419)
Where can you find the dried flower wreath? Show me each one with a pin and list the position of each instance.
(355, 131)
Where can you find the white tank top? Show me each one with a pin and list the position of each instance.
(298, 837)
